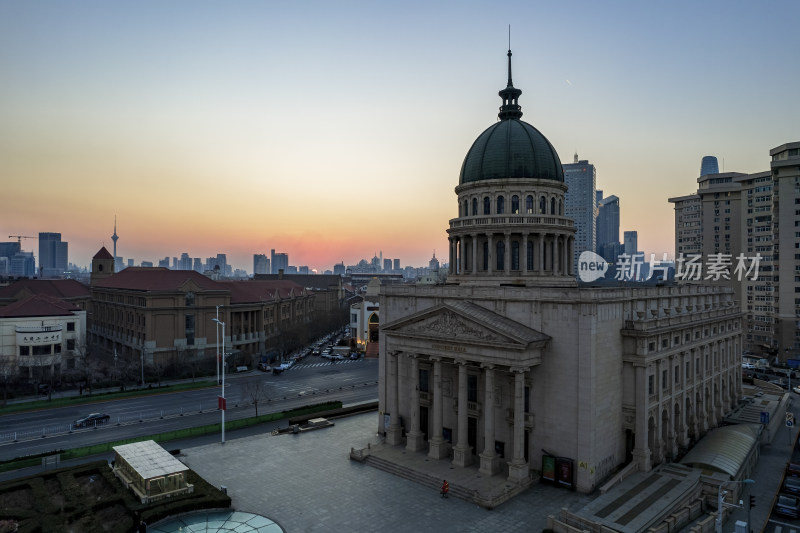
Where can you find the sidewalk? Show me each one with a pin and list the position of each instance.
(767, 475)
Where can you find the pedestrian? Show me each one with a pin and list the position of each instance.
(445, 488)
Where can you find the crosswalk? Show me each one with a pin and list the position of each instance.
(324, 362)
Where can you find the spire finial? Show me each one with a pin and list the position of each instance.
(510, 108)
(510, 83)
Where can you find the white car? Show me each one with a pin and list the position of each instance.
(749, 366)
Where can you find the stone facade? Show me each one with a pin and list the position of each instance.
(511, 359)
(494, 376)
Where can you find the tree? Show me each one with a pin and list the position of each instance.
(255, 392)
(7, 364)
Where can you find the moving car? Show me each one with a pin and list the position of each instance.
(94, 419)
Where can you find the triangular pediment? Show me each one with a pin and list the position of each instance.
(190, 286)
(464, 322)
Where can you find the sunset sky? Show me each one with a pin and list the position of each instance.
(332, 130)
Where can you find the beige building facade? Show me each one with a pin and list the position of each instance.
(510, 360)
(753, 216)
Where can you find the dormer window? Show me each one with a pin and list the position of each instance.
(189, 299)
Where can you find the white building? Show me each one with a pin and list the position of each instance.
(40, 336)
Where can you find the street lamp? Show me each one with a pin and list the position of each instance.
(222, 398)
(720, 503)
(218, 356)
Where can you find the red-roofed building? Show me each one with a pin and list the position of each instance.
(166, 316)
(68, 290)
(40, 335)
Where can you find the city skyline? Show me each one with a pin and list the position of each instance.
(237, 129)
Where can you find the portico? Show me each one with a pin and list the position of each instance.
(452, 370)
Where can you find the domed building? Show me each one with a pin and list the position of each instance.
(510, 373)
(511, 226)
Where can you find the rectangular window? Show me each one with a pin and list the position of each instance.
(70, 344)
(650, 385)
(527, 399)
(24, 350)
(423, 380)
(70, 326)
(677, 374)
(189, 329)
(472, 388)
(664, 379)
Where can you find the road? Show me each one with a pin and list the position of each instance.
(310, 381)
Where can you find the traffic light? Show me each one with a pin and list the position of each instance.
(752, 501)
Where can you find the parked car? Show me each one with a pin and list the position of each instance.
(787, 506)
(791, 485)
(749, 366)
(337, 357)
(354, 355)
(264, 367)
(793, 469)
(94, 419)
(796, 389)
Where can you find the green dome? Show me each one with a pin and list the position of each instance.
(511, 148)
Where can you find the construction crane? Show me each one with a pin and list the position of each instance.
(19, 238)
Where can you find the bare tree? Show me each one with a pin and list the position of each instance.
(255, 391)
(7, 364)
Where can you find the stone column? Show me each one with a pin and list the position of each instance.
(491, 252)
(518, 469)
(658, 442)
(474, 254)
(641, 453)
(556, 255)
(415, 440)
(394, 435)
(462, 453)
(490, 462)
(462, 256)
(439, 448)
(540, 237)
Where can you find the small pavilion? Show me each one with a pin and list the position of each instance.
(150, 471)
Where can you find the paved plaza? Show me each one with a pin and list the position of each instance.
(307, 482)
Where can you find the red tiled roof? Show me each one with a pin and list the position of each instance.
(103, 254)
(38, 305)
(156, 279)
(57, 288)
(259, 291)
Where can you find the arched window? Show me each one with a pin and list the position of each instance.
(560, 208)
(515, 205)
(466, 208)
(501, 255)
(501, 205)
(486, 255)
(487, 205)
(542, 205)
(529, 204)
(474, 207)
(514, 255)
(552, 206)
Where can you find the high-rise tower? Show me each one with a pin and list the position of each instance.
(115, 237)
(709, 165)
